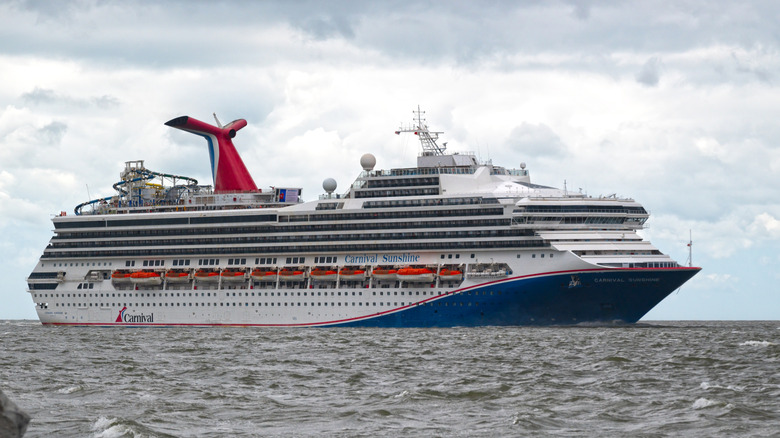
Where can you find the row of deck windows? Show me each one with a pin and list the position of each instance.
(533, 255)
(265, 260)
(241, 262)
(474, 234)
(446, 245)
(252, 304)
(284, 229)
(429, 202)
(240, 294)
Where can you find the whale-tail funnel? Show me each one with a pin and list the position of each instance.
(227, 168)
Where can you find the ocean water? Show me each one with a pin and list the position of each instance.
(652, 379)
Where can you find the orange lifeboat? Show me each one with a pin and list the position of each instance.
(146, 277)
(385, 274)
(415, 274)
(174, 276)
(263, 275)
(451, 275)
(207, 276)
(352, 274)
(234, 276)
(291, 275)
(120, 277)
(324, 274)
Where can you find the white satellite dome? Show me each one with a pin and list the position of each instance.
(368, 161)
(329, 185)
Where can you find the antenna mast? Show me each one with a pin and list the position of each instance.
(427, 138)
(690, 249)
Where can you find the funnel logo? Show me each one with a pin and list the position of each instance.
(126, 317)
(121, 314)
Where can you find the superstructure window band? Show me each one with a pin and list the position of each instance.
(144, 222)
(296, 238)
(354, 226)
(390, 247)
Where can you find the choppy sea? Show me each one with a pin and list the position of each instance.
(653, 379)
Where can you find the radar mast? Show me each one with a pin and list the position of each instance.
(427, 138)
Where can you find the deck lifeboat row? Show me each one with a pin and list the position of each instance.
(412, 274)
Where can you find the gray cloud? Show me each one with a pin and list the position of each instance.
(184, 33)
(650, 72)
(42, 96)
(752, 67)
(52, 133)
(328, 27)
(536, 140)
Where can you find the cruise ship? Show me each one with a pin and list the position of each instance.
(450, 242)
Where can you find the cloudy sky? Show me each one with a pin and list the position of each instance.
(672, 103)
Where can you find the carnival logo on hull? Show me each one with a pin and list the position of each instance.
(121, 314)
(126, 317)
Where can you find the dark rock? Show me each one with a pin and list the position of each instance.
(13, 421)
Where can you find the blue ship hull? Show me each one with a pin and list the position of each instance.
(564, 298)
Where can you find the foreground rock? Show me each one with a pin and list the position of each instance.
(13, 421)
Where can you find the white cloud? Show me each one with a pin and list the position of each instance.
(766, 225)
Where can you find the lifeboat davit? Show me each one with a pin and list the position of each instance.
(324, 274)
(352, 274)
(207, 276)
(146, 277)
(177, 276)
(415, 274)
(450, 275)
(385, 274)
(261, 275)
(291, 275)
(120, 277)
(234, 276)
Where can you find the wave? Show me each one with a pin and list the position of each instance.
(702, 403)
(70, 389)
(707, 385)
(120, 428)
(757, 343)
